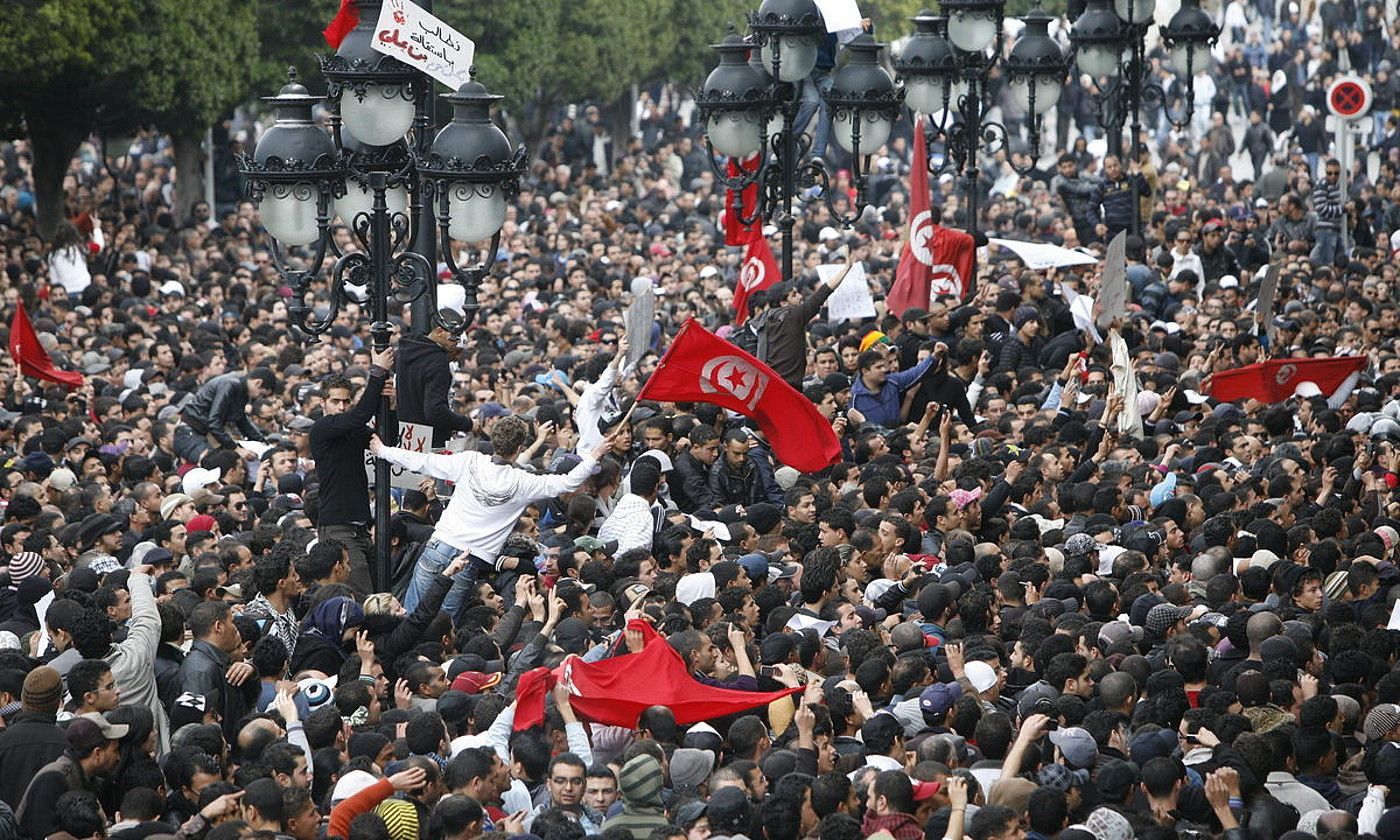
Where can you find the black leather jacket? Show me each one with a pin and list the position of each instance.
(752, 482)
(219, 403)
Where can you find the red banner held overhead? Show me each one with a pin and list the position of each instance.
(757, 272)
(615, 692)
(345, 20)
(735, 231)
(1278, 379)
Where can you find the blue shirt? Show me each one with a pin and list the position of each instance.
(882, 408)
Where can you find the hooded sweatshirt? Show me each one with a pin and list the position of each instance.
(424, 381)
(640, 783)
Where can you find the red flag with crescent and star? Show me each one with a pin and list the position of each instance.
(29, 354)
(699, 366)
(758, 271)
(1276, 380)
(735, 231)
(935, 260)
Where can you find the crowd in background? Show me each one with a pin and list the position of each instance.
(1022, 604)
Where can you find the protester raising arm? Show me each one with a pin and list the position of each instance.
(365, 801)
(593, 404)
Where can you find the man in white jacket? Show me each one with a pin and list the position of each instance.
(491, 493)
(599, 399)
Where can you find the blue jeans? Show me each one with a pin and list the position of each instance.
(434, 558)
(812, 89)
(189, 444)
(1325, 251)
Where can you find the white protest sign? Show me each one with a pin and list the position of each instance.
(416, 37)
(1038, 255)
(415, 437)
(41, 609)
(839, 15)
(1113, 287)
(852, 300)
(258, 448)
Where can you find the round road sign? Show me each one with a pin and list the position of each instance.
(1349, 98)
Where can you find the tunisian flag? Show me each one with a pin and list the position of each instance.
(701, 367)
(735, 231)
(30, 356)
(935, 259)
(758, 271)
(345, 20)
(614, 692)
(1275, 380)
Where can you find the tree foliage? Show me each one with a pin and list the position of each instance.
(72, 67)
(891, 17)
(541, 54)
(289, 32)
(199, 63)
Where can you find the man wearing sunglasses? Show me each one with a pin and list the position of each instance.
(1327, 205)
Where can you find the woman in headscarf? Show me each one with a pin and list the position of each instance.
(324, 633)
(1280, 103)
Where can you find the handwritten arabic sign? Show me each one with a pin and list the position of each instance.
(415, 437)
(416, 37)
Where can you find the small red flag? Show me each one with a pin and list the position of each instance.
(30, 356)
(1276, 379)
(935, 259)
(701, 367)
(345, 20)
(758, 271)
(614, 692)
(735, 231)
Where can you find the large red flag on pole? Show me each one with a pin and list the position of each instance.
(614, 692)
(758, 271)
(701, 367)
(935, 259)
(735, 231)
(1276, 380)
(29, 354)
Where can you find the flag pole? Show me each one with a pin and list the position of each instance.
(641, 394)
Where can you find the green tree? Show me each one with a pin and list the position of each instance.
(891, 17)
(63, 64)
(289, 32)
(541, 54)
(202, 63)
(69, 68)
(697, 26)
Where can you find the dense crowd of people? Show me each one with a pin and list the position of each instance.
(1048, 590)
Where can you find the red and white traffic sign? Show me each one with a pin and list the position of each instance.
(1349, 98)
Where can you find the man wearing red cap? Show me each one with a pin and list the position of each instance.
(892, 799)
(203, 522)
(475, 682)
